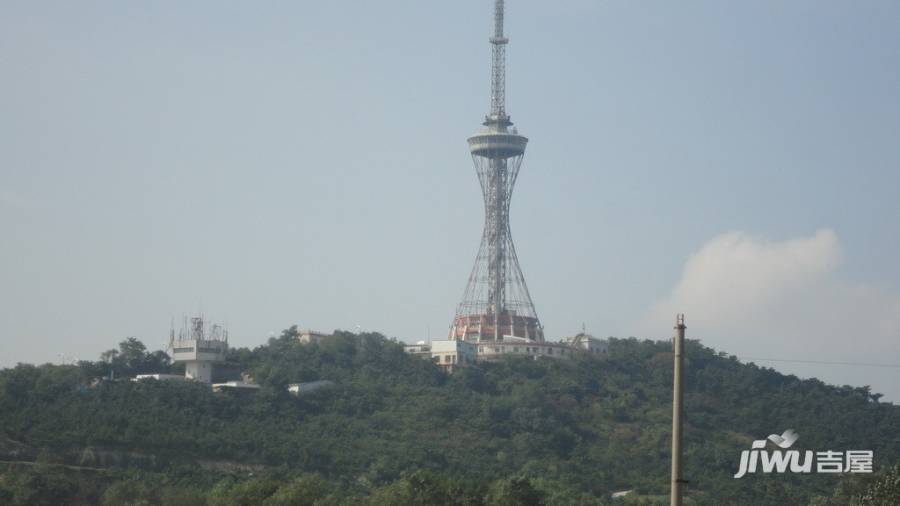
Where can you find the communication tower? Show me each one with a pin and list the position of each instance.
(198, 348)
(496, 303)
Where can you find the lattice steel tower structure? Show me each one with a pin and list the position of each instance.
(496, 303)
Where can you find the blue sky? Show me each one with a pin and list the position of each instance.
(305, 163)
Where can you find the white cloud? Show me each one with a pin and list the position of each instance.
(782, 299)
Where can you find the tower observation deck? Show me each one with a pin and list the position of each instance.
(496, 303)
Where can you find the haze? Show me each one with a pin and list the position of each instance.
(283, 163)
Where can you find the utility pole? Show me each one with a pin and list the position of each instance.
(677, 412)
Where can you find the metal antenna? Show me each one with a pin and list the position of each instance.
(496, 302)
(498, 67)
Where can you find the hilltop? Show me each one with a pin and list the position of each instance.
(394, 429)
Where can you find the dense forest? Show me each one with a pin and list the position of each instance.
(394, 429)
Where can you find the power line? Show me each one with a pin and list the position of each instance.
(861, 364)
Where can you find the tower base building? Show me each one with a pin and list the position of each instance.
(487, 327)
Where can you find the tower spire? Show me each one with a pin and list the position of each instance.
(498, 19)
(498, 69)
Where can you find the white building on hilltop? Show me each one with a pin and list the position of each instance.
(588, 343)
(518, 346)
(420, 348)
(159, 377)
(451, 354)
(309, 386)
(237, 386)
(198, 349)
(310, 336)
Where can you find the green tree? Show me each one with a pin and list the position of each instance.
(306, 490)
(517, 491)
(885, 491)
(132, 354)
(253, 492)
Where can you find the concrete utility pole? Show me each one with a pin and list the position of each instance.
(677, 411)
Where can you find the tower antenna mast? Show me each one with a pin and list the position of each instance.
(498, 67)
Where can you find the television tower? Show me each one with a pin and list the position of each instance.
(496, 303)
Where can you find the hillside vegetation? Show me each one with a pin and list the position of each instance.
(394, 429)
